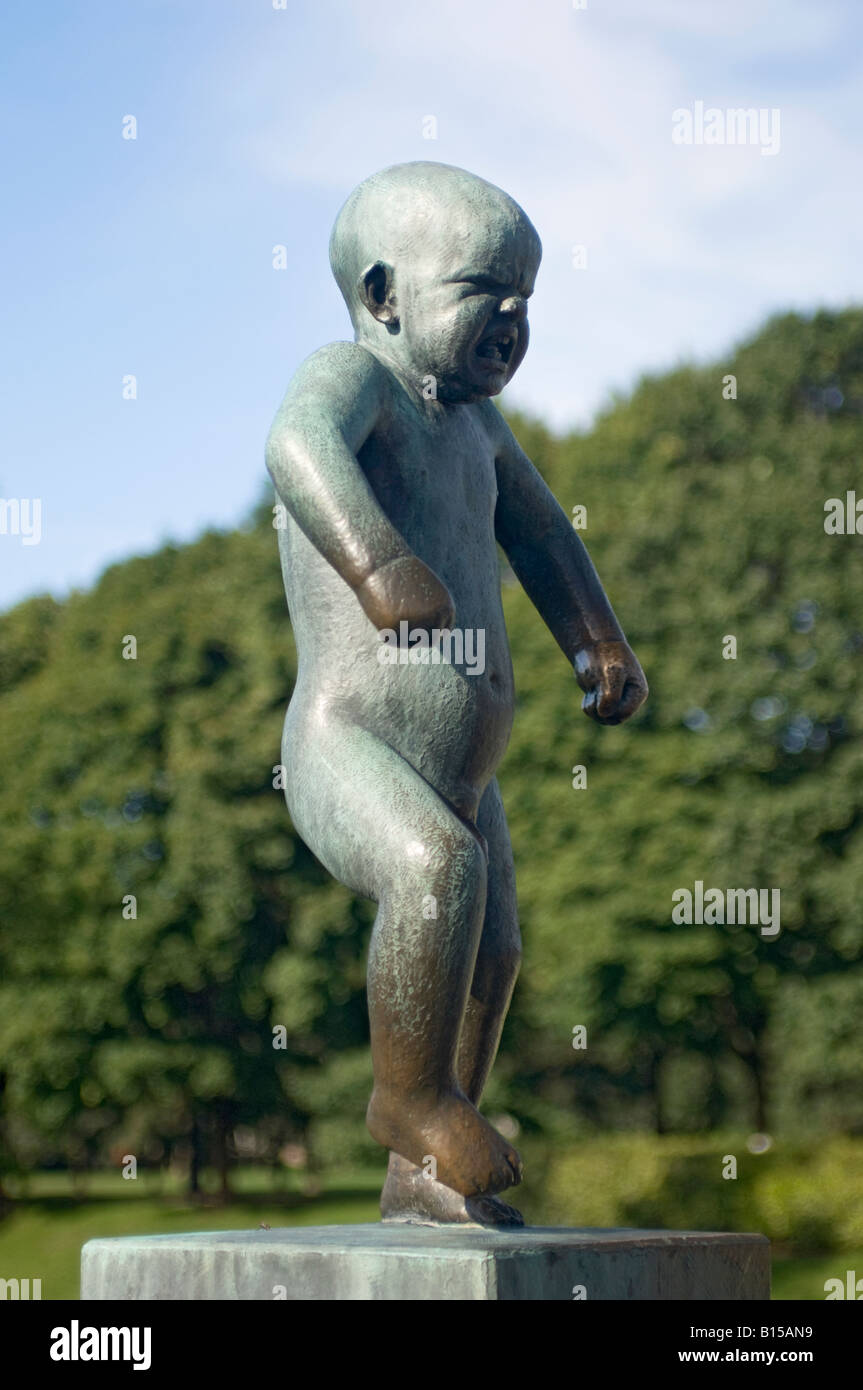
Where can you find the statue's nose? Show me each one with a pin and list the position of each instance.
(514, 307)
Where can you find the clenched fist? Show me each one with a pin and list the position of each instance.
(612, 679)
(406, 589)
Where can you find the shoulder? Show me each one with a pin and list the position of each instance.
(339, 368)
(499, 433)
(342, 383)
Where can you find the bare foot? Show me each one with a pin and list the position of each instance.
(409, 1195)
(470, 1156)
(494, 1211)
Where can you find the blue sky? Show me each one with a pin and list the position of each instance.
(153, 257)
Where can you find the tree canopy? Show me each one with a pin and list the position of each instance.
(163, 926)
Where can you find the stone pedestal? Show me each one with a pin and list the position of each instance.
(422, 1262)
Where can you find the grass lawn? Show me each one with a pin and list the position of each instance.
(42, 1238)
(806, 1278)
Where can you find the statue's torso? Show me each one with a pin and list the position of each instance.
(433, 472)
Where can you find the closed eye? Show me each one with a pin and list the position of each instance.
(489, 286)
(481, 283)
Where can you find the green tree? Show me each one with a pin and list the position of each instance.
(153, 778)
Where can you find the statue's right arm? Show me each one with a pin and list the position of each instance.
(332, 405)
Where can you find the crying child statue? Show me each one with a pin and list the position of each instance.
(400, 479)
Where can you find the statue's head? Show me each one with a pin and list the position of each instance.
(436, 267)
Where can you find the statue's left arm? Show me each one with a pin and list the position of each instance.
(556, 572)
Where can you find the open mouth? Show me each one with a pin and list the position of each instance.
(497, 347)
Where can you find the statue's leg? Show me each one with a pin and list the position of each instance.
(498, 957)
(410, 1194)
(385, 831)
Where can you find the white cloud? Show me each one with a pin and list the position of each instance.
(570, 111)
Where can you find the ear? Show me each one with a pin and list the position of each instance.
(376, 293)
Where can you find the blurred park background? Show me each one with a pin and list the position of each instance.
(214, 1030)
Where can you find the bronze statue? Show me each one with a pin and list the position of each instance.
(400, 476)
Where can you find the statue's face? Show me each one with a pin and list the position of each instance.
(462, 307)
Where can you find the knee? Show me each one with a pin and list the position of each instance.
(511, 959)
(452, 867)
(499, 956)
(470, 863)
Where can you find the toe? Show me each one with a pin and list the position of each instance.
(515, 1164)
